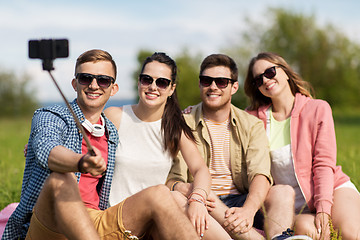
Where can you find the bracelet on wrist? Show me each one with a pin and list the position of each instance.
(173, 185)
(195, 193)
(196, 200)
(206, 194)
(80, 165)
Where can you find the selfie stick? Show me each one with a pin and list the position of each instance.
(78, 124)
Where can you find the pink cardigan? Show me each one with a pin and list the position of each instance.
(313, 146)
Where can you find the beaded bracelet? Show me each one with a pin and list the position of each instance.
(202, 190)
(194, 193)
(196, 200)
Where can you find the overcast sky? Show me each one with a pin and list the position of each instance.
(124, 27)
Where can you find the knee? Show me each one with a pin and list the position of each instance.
(59, 182)
(349, 231)
(303, 227)
(282, 194)
(159, 195)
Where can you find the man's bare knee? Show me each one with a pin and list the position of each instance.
(280, 193)
(59, 182)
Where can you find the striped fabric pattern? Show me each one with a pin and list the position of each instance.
(220, 169)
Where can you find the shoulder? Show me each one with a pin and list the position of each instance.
(316, 106)
(53, 113)
(243, 117)
(114, 115)
(194, 116)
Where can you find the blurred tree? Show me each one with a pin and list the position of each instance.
(15, 97)
(321, 55)
(188, 79)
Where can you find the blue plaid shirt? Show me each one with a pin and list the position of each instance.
(50, 127)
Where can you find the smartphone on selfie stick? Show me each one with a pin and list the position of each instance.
(48, 50)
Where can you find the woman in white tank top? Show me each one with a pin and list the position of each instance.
(151, 133)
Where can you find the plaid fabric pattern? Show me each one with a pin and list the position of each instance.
(50, 127)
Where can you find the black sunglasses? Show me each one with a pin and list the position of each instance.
(161, 83)
(103, 81)
(268, 73)
(221, 82)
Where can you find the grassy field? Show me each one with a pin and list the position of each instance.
(15, 132)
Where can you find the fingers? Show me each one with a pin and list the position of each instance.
(229, 212)
(95, 165)
(238, 226)
(210, 206)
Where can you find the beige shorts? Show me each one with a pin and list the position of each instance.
(104, 221)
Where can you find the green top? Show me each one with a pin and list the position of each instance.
(279, 133)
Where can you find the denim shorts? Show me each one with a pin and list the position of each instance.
(238, 200)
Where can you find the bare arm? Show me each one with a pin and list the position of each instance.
(114, 115)
(196, 164)
(63, 160)
(197, 210)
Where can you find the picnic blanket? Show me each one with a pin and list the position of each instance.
(4, 216)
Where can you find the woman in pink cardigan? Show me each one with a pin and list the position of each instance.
(303, 148)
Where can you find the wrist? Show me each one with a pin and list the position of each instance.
(174, 185)
(80, 165)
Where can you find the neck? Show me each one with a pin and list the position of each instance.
(147, 114)
(282, 106)
(217, 115)
(91, 114)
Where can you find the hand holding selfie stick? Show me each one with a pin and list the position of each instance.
(47, 51)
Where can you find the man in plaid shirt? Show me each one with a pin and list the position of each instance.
(58, 204)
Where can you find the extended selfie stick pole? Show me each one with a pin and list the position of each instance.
(78, 124)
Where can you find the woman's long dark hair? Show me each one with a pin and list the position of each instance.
(173, 122)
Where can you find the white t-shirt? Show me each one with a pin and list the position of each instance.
(140, 159)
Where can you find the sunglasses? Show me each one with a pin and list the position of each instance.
(161, 83)
(220, 82)
(103, 81)
(268, 73)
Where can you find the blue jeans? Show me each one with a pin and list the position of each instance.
(235, 200)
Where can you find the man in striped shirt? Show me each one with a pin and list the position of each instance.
(235, 147)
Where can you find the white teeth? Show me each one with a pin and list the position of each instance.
(213, 95)
(93, 94)
(271, 85)
(151, 95)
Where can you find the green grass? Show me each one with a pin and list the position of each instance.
(14, 135)
(347, 128)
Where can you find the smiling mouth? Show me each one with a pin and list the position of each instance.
(212, 95)
(271, 85)
(93, 95)
(151, 94)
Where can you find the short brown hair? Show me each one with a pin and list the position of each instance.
(95, 55)
(215, 60)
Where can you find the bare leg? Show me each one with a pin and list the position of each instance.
(219, 215)
(215, 230)
(279, 210)
(305, 225)
(346, 213)
(156, 205)
(59, 208)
